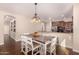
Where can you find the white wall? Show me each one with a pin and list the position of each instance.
(76, 27)
(24, 25)
(1, 29)
(6, 29)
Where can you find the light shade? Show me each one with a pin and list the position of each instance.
(36, 19)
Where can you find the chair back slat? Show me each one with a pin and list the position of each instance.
(29, 41)
(26, 39)
(53, 43)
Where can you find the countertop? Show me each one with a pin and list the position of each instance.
(54, 32)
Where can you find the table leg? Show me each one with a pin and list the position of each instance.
(43, 49)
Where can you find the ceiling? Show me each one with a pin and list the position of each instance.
(44, 10)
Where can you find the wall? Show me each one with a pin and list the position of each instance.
(1, 29)
(24, 25)
(6, 29)
(76, 28)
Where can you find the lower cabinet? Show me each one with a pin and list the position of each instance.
(64, 39)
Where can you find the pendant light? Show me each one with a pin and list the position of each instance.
(36, 18)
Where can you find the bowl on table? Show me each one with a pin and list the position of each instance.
(36, 34)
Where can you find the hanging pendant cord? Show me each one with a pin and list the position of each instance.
(35, 9)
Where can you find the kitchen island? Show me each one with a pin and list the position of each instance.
(64, 39)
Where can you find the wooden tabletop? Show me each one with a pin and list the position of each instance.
(42, 39)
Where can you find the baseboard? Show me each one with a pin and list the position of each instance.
(76, 50)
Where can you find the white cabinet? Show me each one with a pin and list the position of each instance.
(64, 39)
(12, 29)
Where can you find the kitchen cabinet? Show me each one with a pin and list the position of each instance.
(62, 26)
(64, 39)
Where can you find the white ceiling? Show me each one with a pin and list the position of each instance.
(44, 10)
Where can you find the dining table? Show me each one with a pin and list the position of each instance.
(43, 41)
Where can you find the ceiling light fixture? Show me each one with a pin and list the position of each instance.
(36, 18)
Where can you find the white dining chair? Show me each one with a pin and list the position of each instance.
(23, 40)
(29, 45)
(52, 47)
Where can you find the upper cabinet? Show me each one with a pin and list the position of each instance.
(62, 26)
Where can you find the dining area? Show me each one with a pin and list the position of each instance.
(38, 44)
(39, 32)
